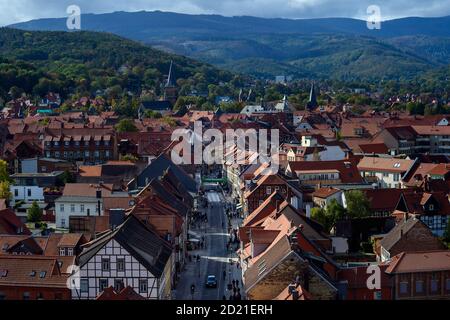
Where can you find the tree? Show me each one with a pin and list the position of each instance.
(321, 216)
(128, 157)
(335, 210)
(358, 206)
(67, 177)
(5, 192)
(4, 176)
(126, 125)
(34, 213)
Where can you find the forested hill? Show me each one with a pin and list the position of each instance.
(81, 63)
(329, 48)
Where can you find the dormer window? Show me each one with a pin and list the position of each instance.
(431, 207)
(62, 252)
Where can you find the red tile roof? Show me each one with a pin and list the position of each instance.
(426, 261)
(348, 171)
(11, 224)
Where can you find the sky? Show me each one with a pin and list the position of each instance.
(13, 11)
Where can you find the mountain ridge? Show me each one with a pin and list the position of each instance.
(401, 48)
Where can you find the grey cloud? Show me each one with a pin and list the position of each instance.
(12, 11)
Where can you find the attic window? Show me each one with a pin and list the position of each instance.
(42, 274)
(33, 273)
(3, 273)
(397, 165)
(5, 246)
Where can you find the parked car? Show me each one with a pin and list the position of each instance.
(211, 282)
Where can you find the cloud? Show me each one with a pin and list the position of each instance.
(12, 11)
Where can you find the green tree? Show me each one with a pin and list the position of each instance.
(335, 210)
(5, 192)
(4, 176)
(126, 125)
(321, 216)
(67, 177)
(358, 206)
(34, 213)
(128, 157)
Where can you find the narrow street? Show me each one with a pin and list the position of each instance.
(214, 259)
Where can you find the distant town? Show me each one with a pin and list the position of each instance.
(93, 207)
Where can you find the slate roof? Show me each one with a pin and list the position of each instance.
(396, 234)
(142, 243)
(156, 169)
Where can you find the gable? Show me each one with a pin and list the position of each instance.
(113, 249)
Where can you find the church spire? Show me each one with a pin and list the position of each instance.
(170, 77)
(313, 97)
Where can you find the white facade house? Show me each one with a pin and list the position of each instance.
(384, 172)
(129, 256)
(67, 206)
(27, 194)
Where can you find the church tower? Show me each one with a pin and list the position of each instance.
(170, 88)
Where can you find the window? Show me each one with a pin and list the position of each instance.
(63, 223)
(16, 192)
(61, 207)
(62, 252)
(143, 288)
(29, 192)
(403, 287)
(447, 284)
(396, 177)
(105, 265)
(431, 207)
(39, 296)
(419, 286)
(269, 190)
(86, 154)
(26, 296)
(96, 154)
(121, 265)
(84, 285)
(107, 154)
(103, 284)
(118, 285)
(434, 285)
(81, 207)
(2, 296)
(44, 169)
(42, 274)
(72, 208)
(70, 252)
